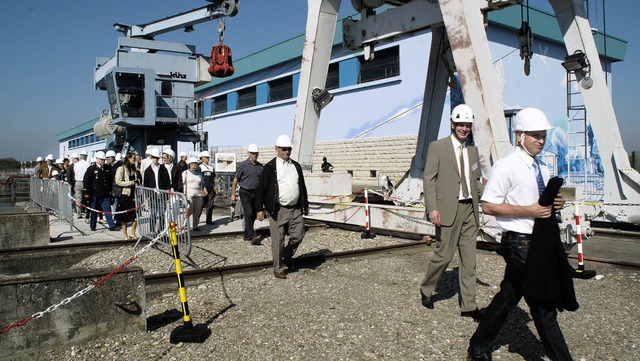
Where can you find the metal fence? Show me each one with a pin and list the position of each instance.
(155, 209)
(14, 188)
(53, 196)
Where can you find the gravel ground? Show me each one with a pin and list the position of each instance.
(365, 308)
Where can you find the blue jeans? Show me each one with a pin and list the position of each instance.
(104, 204)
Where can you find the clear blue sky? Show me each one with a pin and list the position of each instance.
(49, 50)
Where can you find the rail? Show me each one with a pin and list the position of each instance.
(53, 196)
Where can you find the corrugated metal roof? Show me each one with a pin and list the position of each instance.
(82, 128)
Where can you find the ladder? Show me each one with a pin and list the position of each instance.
(577, 137)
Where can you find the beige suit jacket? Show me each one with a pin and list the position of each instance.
(442, 180)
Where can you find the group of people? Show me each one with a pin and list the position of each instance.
(454, 188)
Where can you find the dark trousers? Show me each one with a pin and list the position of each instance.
(103, 204)
(249, 211)
(208, 203)
(544, 314)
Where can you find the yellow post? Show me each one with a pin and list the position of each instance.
(187, 332)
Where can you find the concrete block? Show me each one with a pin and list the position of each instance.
(116, 306)
(328, 184)
(20, 227)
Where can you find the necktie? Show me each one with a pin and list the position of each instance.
(539, 180)
(463, 177)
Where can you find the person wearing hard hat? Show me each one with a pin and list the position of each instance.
(452, 191)
(79, 170)
(194, 189)
(146, 162)
(182, 163)
(36, 168)
(209, 176)
(62, 172)
(46, 167)
(247, 175)
(282, 196)
(167, 162)
(156, 176)
(511, 195)
(111, 158)
(98, 183)
(55, 174)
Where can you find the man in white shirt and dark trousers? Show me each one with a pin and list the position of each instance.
(511, 195)
(282, 195)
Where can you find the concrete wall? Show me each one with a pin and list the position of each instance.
(23, 227)
(116, 306)
(366, 159)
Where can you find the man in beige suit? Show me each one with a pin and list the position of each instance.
(452, 188)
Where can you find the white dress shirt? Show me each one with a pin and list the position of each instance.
(287, 176)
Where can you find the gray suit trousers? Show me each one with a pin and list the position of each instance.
(289, 221)
(461, 235)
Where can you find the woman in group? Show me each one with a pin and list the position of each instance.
(127, 177)
(194, 190)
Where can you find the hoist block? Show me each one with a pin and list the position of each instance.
(221, 65)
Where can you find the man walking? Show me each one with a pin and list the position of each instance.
(511, 195)
(452, 190)
(98, 182)
(282, 195)
(248, 175)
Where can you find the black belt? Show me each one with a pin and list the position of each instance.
(516, 237)
(289, 207)
(465, 201)
(248, 190)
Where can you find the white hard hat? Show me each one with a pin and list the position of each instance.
(193, 160)
(170, 153)
(205, 153)
(55, 172)
(283, 141)
(39, 159)
(111, 153)
(147, 152)
(100, 155)
(530, 120)
(154, 152)
(118, 156)
(49, 157)
(183, 154)
(252, 148)
(462, 113)
(83, 152)
(59, 161)
(74, 155)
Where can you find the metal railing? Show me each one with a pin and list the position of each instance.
(155, 209)
(53, 196)
(14, 189)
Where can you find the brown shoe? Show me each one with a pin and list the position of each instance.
(281, 275)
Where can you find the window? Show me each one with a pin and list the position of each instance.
(373, 174)
(280, 89)
(131, 94)
(333, 77)
(166, 88)
(247, 98)
(220, 104)
(385, 64)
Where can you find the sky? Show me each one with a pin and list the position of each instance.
(49, 51)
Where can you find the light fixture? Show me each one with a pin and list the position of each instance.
(189, 29)
(321, 98)
(576, 61)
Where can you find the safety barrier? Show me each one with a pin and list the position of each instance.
(14, 188)
(155, 209)
(53, 196)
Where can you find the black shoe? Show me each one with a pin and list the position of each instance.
(291, 265)
(481, 357)
(210, 223)
(255, 240)
(426, 301)
(115, 228)
(93, 229)
(475, 314)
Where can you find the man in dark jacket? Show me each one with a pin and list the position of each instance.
(156, 176)
(98, 182)
(282, 195)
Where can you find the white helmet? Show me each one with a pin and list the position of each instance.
(111, 153)
(59, 161)
(49, 157)
(283, 141)
(252, 148)
(462, 113)
(205, 153)
(118, 156)
(154, 152)
(74, 155)
(39, 159)
(530, 120)
(183, 154)
(170, 153)
(193, 160)
(83, 152)
(100, 155)
(55, 173)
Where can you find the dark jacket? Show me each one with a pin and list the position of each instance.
(98, 182)
(176, 177)
(267, 191)
(182, 166)
(163, 178)
(548, 277)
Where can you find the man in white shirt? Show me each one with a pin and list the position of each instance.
(79, 169)
(282, 195)
(511, 195)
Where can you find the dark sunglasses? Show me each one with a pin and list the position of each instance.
(285, 149)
